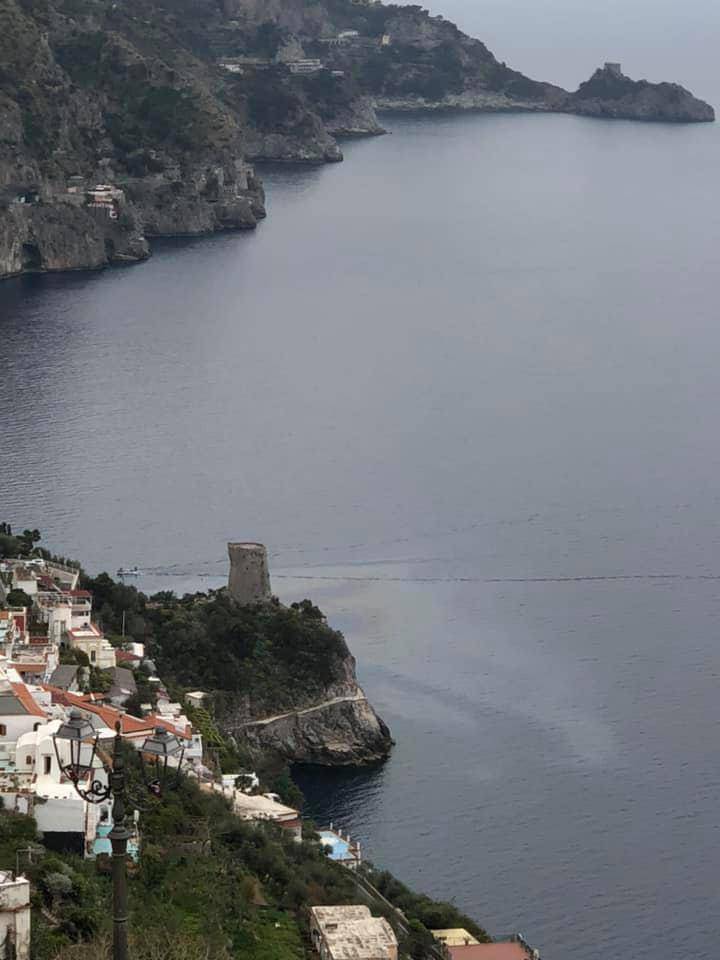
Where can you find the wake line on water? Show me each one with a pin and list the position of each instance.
(580, 579)
(170, 570)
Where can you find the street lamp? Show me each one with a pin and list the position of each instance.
(156, 752)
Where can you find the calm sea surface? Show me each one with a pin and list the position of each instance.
(465, 386)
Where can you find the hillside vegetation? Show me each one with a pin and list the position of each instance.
(268, 654)
(208, 885)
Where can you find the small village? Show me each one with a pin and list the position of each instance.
(345, 45)
(53, 657)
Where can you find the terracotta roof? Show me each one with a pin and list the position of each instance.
(26, 699)
(83, 594)
(126, 656)
(32, 667)
(509, 950)
(129, 726)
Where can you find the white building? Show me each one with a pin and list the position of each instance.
(64, 820)
(19, 714)
(246, 782)
(351, 933)
(304, 66)
(262, 808)
(63, 609)
(196, 697)
(14, 917)
(99, 651)
(8, 631)
(25, 579)
(107, 198)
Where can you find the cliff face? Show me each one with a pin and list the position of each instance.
(344, 733)
(56, 237)
(86, 99)
(337, 727)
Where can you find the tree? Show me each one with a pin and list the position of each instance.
(268, 38)
(18, 598)
(17, 545)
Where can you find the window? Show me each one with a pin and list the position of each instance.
(36, 726)
(3, 730)
(47, 764)
(93, 656)
(28, 760)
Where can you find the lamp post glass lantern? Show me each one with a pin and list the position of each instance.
(78, 737)
(160, 751)
(81, 740)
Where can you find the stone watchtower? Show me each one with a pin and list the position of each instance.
(249, 580)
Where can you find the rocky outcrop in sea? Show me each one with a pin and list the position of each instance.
(610, 94)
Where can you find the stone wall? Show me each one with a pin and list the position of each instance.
(249, 580)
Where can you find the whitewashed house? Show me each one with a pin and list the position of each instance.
(19, 714)
(64, 820)
(99, 651)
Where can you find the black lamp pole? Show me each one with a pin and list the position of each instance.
(158, 749)
(119, 836)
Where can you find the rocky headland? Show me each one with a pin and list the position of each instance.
(609, 93)
(166, 106)
(281, 680)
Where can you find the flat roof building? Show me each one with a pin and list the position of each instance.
(351, 933)
(454, 937)
(512, 948)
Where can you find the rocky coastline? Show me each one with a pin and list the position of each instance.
(608, 94)
(166, 111)
(55, 234)
(337, 728)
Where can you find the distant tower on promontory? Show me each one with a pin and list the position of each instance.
(249, 580)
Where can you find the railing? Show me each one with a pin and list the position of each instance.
(519, 938)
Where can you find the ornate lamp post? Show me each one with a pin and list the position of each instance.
(83, 741)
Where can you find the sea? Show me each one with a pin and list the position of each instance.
(465, 387)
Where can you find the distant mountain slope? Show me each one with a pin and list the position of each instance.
(166, 100)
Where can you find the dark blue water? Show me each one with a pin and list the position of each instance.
(465, 387)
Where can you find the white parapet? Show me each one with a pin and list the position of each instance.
(14, 916)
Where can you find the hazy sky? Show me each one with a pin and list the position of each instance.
(563, 40)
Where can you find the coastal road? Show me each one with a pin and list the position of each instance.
(299, 713)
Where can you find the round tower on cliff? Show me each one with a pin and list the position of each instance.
(249, 580)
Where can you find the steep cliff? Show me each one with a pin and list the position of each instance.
(85, 99)
(56, 237)
(335, 727)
